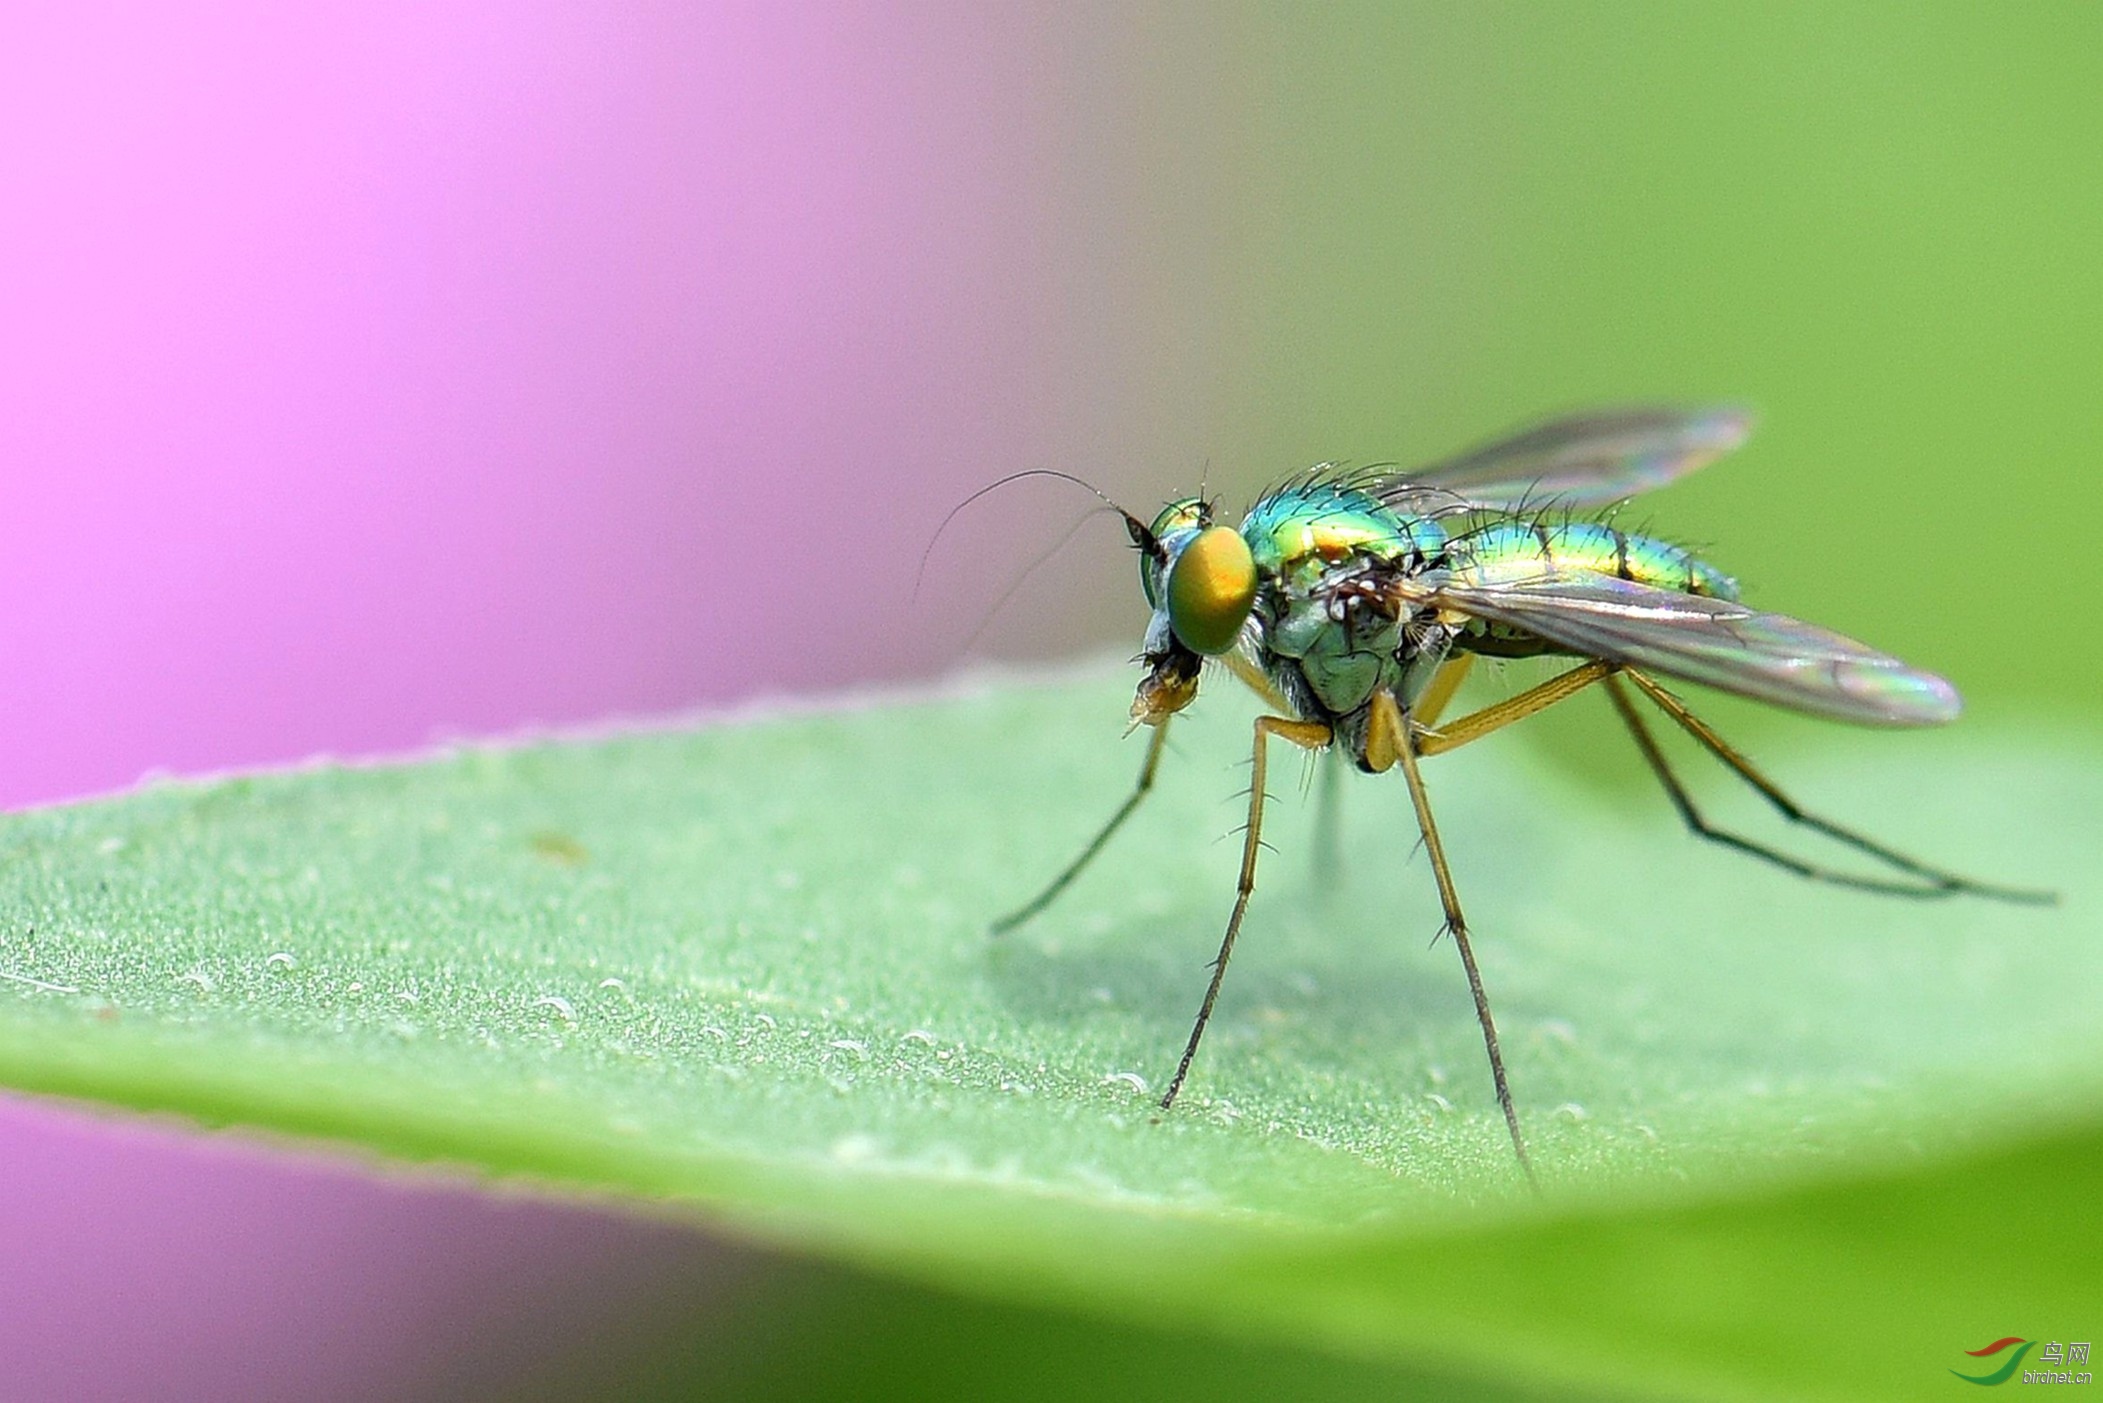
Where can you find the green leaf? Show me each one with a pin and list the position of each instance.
(1793, 1141)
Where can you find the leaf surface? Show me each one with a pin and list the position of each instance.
(1794, 1142)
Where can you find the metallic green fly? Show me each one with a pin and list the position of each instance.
(1353, 602)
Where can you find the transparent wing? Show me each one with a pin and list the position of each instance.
(1716, 642)
(1580, 461)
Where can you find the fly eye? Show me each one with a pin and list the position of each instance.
(1210, 589)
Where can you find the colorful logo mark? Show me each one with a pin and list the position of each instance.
(2006, 1371)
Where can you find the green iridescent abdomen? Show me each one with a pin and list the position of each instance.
(1516, 549)
(1506, 548)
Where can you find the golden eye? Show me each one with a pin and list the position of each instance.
(1210, 588)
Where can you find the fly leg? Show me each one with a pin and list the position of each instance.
(1329, 806)
(1927, 881)
(1095, 845)
(1477, 724)
(1328, 817)
(1389, 739)
(1310, 735)
(1393, 739)
(1439, 695)
(1328, 831)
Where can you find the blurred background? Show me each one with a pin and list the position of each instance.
(373, 374)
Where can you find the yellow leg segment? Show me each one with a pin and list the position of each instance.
(1252, 677)
(1439, 695)
(1310, 735)
(1531, 702)
(1388, 732)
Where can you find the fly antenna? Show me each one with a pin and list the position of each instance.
(1133, 523)
(1023, 578)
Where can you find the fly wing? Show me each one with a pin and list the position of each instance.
(1716, 642)
(1584, 460)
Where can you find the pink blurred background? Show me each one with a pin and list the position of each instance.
(366, 373)
(374, 373)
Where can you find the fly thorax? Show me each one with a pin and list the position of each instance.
(1345, 633)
